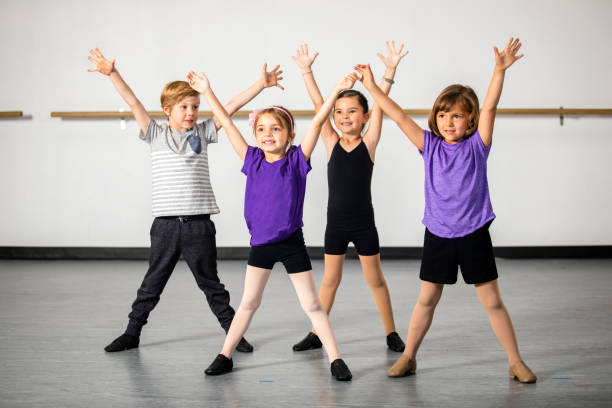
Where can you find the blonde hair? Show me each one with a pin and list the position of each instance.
(452, 94)
(174, 91)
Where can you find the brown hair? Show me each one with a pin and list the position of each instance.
(174, 91)
(350, 93)
(452, 94)
(279, 113)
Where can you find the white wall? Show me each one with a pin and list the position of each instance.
(87, 182)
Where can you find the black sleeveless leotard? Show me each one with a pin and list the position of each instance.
(350, 215)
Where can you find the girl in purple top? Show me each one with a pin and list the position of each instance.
(458, 210)
(274, 199)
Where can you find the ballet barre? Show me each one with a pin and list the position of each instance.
(11, 114)
(561, 112)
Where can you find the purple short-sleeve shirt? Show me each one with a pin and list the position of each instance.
(457, 199)
(274, 196)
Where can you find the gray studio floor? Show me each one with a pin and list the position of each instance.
(56, 317)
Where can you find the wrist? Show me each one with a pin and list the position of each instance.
(306, 71)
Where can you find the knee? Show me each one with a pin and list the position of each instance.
(250, 305)
(428, 301)
(492, 304)
(376, 282)
(331, 281)
(311, 306)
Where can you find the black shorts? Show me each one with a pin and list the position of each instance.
(473, 253)
(291, 252)
(365, 240)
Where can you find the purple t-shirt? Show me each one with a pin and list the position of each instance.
(274, 197)
(457, 199)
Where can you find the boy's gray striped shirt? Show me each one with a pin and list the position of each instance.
(180, 177)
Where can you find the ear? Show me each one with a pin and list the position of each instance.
(291, 137)
(366, 116)
(166, 110)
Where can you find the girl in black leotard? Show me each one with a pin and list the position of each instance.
(350, 215)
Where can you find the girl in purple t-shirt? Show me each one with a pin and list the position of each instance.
(274, 199)
(458, 210)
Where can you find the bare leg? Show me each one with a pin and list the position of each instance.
(372, 272)
(490, 298)
(422, 315)
(254, 283)
(331, 281)
(303, 282)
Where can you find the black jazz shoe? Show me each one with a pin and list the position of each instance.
(311, 341)
(395, 343)
(340, 371)
(220, 365)
(123, 342)
(244, 346)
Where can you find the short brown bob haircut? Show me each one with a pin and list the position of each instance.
(174, 91)
(465, 97)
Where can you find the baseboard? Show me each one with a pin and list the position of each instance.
(241, 253)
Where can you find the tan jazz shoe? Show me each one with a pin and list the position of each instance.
(402, 367)
(521, 372)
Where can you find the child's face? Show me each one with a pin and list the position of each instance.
(453, 123)
(184, 114)
(271, 136)
(349, 116)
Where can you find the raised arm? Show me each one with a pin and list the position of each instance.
(305, 61)
(412, 131)
(267, 79)
(106, 67)
(200, 83)
(503, 61)
(312, 134)
(391, 61)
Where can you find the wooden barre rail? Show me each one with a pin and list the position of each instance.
(11, 114)
(308, 113)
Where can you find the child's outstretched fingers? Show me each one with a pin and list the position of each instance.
(198, 82)
(394, 56)
(504, 59)
(102, 65)
(303, 60)
(272, 78)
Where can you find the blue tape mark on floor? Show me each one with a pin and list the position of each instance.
(266, 381)
(562, 378)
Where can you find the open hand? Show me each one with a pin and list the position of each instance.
(199, 82)
(271, 78)
(303, 60)
(393, 57)
(367, 78)
(103, 65)
(508, 56)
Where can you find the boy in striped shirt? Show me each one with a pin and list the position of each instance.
(182, 195)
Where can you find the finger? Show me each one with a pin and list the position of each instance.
(393, 46)
(388, 47)
(382, 58)
(280, 86)
(496, 51)
(279, 78)
(400, 49)
(275, 68)
(279, 72)
(520, 56)
(265, 68)
(314, 56)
